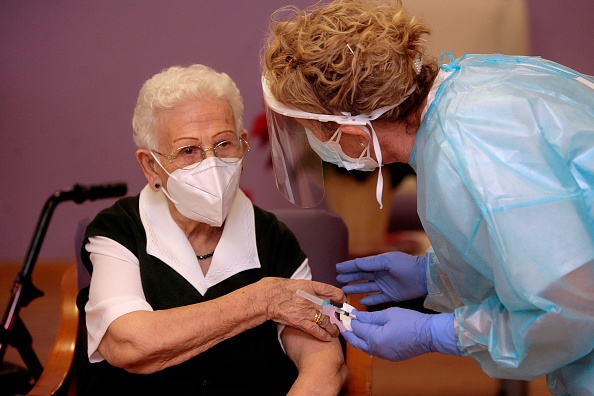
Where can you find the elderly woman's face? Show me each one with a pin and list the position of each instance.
(203, 123)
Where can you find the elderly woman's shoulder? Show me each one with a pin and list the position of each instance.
(262, 216)
(126, 205)
(271, 222)
(119, 215)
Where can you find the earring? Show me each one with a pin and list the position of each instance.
(157, 185)
(361, 144)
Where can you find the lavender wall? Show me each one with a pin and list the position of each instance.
(562, 31)
(70, 71)
(70, 74)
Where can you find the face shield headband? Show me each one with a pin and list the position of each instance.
(297, 167)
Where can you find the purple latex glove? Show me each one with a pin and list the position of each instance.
(393, 276)
(398, 334)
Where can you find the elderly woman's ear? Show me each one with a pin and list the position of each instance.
(246, 146)
(149, 168)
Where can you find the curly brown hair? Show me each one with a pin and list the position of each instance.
(347, 55)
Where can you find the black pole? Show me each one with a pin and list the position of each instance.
(13, 331)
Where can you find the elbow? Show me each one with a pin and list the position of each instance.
(125, 357)
(133, 361)
(141, 369)
(136, 364)
(129, 355)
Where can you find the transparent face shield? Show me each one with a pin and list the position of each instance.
(297, 166)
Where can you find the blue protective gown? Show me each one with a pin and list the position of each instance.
(505, 168)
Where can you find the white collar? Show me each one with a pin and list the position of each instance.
(235, 252)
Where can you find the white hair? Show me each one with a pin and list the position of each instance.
(177, 85)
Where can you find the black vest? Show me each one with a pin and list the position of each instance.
(251, 363)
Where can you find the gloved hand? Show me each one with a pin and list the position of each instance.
(398, 334)
(396, 276)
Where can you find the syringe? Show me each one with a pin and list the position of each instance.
(325, 303)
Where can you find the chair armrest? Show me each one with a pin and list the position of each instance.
(57, 371)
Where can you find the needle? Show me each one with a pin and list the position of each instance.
(324, 303)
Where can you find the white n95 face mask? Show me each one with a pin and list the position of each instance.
(332, 152)
(205, 193)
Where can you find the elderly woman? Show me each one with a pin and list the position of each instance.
(190, 290)
(503, 148)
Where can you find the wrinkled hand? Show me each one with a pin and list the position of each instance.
(393, 276)
(398, 334)
(285, 306)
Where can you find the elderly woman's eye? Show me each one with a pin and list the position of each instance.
(190, 151)
(224, 144)
(188, 155)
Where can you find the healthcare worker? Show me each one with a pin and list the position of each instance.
(503, 148)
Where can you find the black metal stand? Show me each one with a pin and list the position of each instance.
(13, 331)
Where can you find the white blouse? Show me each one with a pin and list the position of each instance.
(116, 288)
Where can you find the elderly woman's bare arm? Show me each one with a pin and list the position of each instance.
(149, 341)
(321, 365)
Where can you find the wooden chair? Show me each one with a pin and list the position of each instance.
(69, 349)
(322, 235)
(57, 377)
